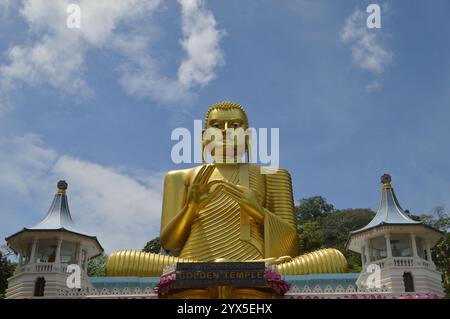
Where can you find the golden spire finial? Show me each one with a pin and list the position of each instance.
(62, 186)
(386, 181)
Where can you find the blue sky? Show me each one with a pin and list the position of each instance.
(96, 106)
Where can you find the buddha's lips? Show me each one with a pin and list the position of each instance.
(228, 142)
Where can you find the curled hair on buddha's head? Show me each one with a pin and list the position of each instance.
(224, 106)
(227, 105)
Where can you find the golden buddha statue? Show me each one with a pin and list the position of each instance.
(227, 211)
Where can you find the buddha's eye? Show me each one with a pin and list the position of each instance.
(215, 125)
(236, 124)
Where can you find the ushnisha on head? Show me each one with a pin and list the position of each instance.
(225, 135)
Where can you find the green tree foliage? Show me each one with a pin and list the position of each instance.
(97, 266)
(322, 226)
(311, 236)
(6, 271)
(441, 257)
(313, 209)
(153, 246)
(337, 228)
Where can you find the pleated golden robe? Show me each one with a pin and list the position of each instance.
(222, 230)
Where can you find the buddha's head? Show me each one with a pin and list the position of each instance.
(226, 125)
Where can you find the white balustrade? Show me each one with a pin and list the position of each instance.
(403, 262)
(42, 268)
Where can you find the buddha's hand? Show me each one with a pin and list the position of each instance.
(199, 192)
(246, 198)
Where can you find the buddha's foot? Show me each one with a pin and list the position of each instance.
(139, 264)
(321, 261)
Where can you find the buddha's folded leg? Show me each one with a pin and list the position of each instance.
(139, 264)
(321, 261)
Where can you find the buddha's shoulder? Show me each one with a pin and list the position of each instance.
(270, 171)
(183, 175)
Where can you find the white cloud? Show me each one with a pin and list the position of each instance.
(56, 55)
(368, 51)
(122, 210)
(57, 61)
(201, 42)
(5, 5)
(24, 162)
(372, 86)
(141, 75)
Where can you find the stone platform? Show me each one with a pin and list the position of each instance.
(301, 286)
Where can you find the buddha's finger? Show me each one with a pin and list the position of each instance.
(219, 181)
(212, 183)
(207, 174)
(199, 175)
(204, 174)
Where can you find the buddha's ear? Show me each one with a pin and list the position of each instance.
(248, 147)
(203, 147)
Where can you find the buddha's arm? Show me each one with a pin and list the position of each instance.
(177, 215)
(280, 227)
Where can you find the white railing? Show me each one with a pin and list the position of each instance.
(426, 264)
(403, 262)
(42, 268)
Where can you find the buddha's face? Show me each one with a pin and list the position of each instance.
(231, 125)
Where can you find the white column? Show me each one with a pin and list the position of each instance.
(388, 245)
(19, 258)
(33, 251)
(429, 251)
(58, 252)
(80, 254)
(414, 246)
(86, 261)
(367, 251)
(363, 263)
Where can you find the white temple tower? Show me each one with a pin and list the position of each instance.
(396, 250)
(46, 250)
